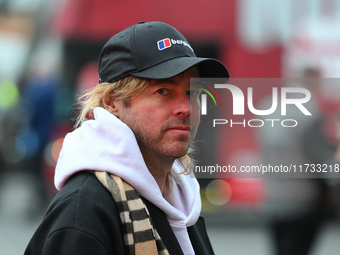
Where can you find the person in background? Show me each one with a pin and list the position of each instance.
(299, 207)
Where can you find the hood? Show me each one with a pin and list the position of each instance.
(107, 144)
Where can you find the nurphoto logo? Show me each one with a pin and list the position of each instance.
(281, 98)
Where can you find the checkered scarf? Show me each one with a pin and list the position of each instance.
(140, 237)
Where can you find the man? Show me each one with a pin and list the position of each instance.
(123, 175)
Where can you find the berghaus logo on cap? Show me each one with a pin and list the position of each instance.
(163, 44)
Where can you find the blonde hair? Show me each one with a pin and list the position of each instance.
(123, 89)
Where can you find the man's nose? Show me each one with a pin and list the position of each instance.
(182, 106)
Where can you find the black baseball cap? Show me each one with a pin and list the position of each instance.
(153, 50)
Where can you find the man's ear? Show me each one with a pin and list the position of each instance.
(111, 105)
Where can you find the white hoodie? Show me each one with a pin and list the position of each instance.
(107, 144)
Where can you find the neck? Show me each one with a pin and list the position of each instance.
(159, 167)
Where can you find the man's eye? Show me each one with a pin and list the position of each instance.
(161, 91)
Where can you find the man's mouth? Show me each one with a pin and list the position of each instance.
(181, 130)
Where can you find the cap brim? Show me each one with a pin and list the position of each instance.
(207, 67)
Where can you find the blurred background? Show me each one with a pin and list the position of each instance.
(48, 56)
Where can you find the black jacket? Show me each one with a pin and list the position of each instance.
(83, 219)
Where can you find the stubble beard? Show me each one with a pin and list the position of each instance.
(160, 145)
(157, 146)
